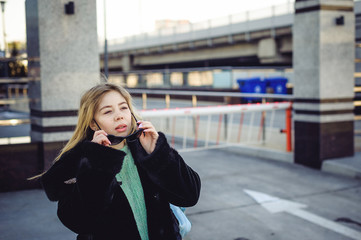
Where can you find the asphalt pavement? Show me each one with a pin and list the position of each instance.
(242, 198)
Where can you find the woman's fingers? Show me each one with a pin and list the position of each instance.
(148, 128)
(100, 138)
(150, 136)
(146, 125)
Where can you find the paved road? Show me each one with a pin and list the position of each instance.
(225, 211)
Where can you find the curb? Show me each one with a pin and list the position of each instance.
(349, 166)
(259, 152)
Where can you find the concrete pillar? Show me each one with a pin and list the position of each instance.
(185, 79)
(267, 48)
(142, 80)
(166, 78)
(63, 63)
(126, 63)
(323, 62)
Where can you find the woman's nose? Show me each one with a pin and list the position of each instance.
(118, 116)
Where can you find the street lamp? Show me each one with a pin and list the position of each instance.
(105, 43)
(3, 18)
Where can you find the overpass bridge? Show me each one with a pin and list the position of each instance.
(255, 38)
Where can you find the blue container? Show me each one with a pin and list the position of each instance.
(277, 84)
(251, 85)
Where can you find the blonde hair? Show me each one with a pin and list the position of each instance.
(89, 103)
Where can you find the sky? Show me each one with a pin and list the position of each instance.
(124, 18)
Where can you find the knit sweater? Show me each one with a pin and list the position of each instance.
(132, 187)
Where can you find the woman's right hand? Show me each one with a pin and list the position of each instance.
(100, 137)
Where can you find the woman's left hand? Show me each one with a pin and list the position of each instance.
(149, 137)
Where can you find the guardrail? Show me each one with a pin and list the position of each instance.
(357, 91)
(196, 94)
(259, 19)
(12, 89)
(17, 93)
(208, 125)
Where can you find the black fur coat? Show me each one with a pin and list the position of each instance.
(95, 207)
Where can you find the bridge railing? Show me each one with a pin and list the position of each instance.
(271, 17)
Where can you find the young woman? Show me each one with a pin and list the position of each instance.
(116, 176)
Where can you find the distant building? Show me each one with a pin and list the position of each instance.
(168, 23)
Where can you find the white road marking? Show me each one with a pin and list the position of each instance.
(276, 205)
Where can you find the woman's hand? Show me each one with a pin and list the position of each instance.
(150, 136)
(100, 137)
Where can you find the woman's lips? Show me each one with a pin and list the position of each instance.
(121, 128)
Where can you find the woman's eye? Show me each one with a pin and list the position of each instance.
(124, 108)
(107, 112)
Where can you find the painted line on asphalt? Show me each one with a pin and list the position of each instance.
(276, 205)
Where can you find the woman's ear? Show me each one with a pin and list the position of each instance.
(93, 126)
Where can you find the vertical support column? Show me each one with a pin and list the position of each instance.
(166, 78)
(323, 61)
(185, 79)
(62, 65)
(126, 63)
(142, 80)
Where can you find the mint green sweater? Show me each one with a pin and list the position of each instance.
(132, 187)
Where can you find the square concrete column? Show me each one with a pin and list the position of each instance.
(63, 63)
(323, 62)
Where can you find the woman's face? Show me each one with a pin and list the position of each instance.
(113, 115)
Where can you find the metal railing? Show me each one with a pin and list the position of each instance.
(220, 126)
(196, 94)
(271, 17)
(13, 88)
(17, 93)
